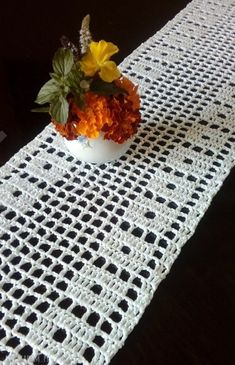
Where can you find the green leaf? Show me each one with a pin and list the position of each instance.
(62, 61)
(79, 100)
(44, 109)
(48, 92)
(74, 77)
(56, 77)
(60, 110)
(73, 80)
(101, 87)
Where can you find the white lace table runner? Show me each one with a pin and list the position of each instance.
(84, 247)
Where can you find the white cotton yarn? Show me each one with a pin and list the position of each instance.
(84, 247)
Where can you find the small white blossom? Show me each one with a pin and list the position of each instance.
(85, 34)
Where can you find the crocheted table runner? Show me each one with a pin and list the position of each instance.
(84, 247)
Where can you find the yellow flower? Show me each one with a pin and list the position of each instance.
(97, 60)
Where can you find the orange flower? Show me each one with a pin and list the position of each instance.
(118, 116)
(125, 119)
(93, 117)
(67, 130)
(133, 96)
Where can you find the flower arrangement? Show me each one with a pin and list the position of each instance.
(87, 94)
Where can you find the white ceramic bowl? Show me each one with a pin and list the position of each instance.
(97, 150)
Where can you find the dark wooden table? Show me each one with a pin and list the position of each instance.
(191, 318)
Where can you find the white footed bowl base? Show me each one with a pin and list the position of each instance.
(97, 150)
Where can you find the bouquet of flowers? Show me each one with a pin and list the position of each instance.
(87, 94)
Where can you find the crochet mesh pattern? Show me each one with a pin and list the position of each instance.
(84, 247)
